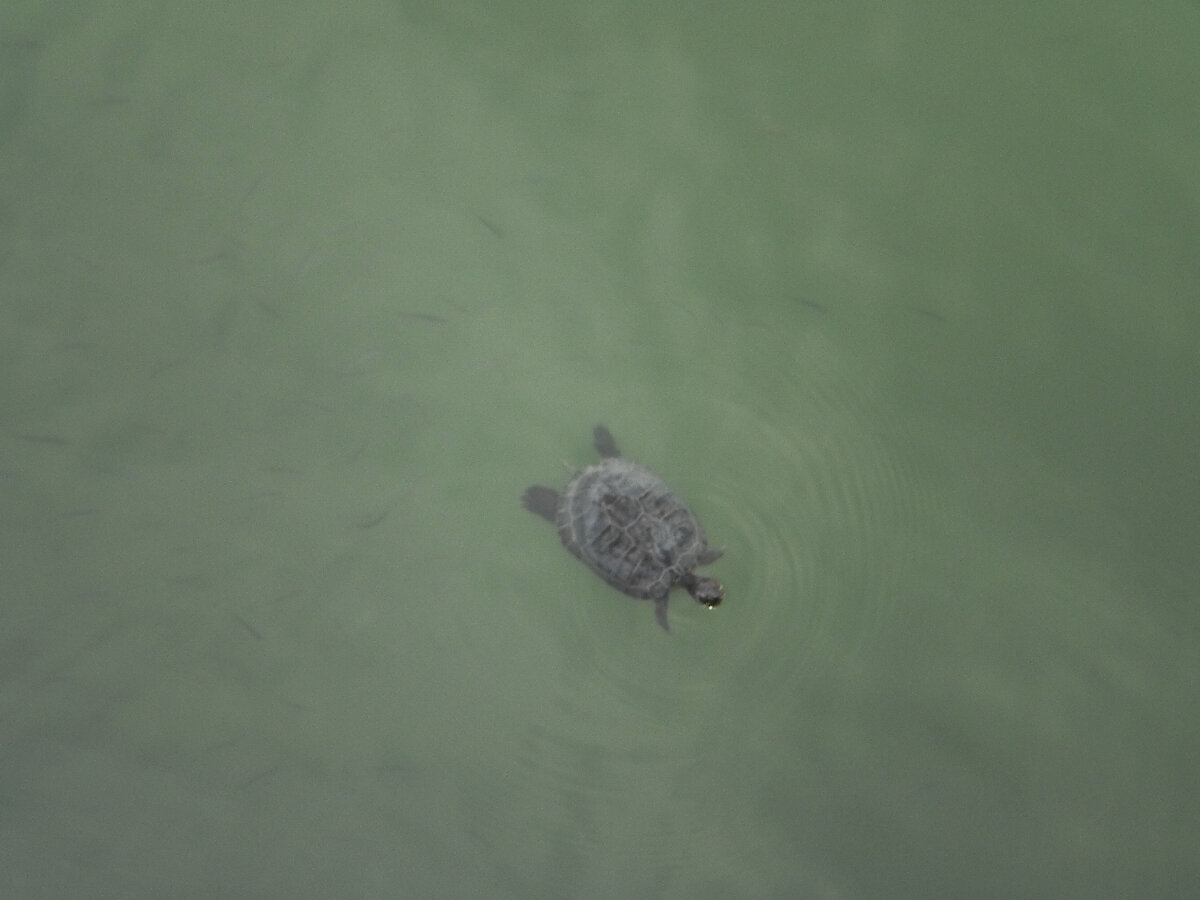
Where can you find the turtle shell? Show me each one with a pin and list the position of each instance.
(630, 528)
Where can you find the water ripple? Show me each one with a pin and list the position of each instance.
(814, 508)
(810, 498)
(818, 507)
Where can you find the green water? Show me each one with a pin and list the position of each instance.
(295, 301)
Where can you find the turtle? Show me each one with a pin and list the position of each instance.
(628, 527)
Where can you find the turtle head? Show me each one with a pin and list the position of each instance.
(704, 590)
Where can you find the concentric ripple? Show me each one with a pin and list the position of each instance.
(814, 509)
(820, 512)
(809, 493)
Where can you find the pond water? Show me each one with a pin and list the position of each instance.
(902, 298)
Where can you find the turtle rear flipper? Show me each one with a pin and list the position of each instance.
(605, 444)
(541, 500)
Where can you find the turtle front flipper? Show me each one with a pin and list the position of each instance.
(603, 440)
(660, 612)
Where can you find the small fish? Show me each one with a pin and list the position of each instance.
(494, 229)
(254, 632)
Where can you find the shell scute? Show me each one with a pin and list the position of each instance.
(629, 527)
